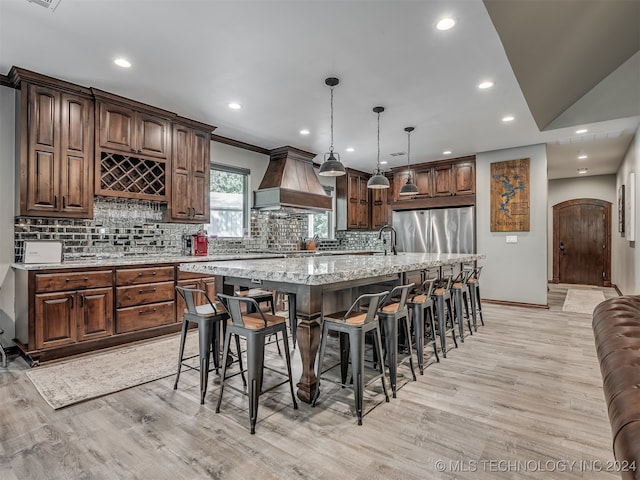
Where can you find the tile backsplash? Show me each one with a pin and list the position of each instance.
(133, 228)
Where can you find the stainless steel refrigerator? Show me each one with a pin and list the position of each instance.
(438, 230)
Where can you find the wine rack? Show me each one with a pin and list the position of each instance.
(132, 177)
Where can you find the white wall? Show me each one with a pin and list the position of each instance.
(600, 187)
(7, 212)
(626, 263)
(514, 272)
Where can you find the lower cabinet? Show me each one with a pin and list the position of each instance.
(63, 312)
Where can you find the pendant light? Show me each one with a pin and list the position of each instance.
(331, 167)
(378, 181)
(408, 188)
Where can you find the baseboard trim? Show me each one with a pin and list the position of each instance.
(516, 304)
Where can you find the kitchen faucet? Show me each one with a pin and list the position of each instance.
(393, 238)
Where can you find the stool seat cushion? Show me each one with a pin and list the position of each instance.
(440, 291)
(391, 308)
(355, 318)
(457, 286)
(419, 299)
(253, 321)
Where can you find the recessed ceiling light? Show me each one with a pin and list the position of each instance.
(582, 171)
(582, 157)
(445, 23)
(485, 85)
(508, 118)
(235, 106)
(304, 132)
(447, 152)
(582, 130)
(350, 149)
(383, 162)
(122, 62)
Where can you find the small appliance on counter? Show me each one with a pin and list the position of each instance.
(200, 244)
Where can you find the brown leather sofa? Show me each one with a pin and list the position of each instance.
(616, 328)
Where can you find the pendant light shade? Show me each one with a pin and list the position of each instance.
(331, 167)
(378, 180)
(408, 188)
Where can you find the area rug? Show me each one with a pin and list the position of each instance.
(90, 376)
(582, 300)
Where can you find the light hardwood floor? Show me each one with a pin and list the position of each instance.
(526, 389)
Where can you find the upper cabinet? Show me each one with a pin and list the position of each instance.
(440, 184)
(380, 205)
(133, 154)
(352, 201)
(133, 132)
(190, 179)
(55, 151)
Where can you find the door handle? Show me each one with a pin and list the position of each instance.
(562, 246)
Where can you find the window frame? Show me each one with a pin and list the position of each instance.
(245, 202)
(329, 190)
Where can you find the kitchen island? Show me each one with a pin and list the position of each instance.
(321, 283)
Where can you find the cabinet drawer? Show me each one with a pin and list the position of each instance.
(145, 293)
(52, 282)
(145, 316)
(135, 276)
(190, 275)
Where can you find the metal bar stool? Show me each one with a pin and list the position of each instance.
(442, 298)
(208, 317)
(474, 295)
(460, 290)
(392, 311)
(354, 323)
(421, 308)
(261, 296)
(255, 328)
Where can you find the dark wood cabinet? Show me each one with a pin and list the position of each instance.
(133, 132)
(56, 125)
(198, 281)
(190, 174)
(380, 205)
(81, 310)
(454, 178)
(352, 201)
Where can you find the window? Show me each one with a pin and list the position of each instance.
(321, 224)
(229, 201)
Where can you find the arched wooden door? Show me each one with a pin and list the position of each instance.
(582, 242)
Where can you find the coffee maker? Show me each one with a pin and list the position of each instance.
(200, 244)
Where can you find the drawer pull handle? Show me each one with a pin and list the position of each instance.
(147, 312)
(148, 290)
(142, 274)
(84, 279)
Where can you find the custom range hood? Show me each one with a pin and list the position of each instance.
(291, 183)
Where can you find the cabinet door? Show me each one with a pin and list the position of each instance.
(76, 184)
(442, 181)
(363, 199)
(353, 200)
(464, 176)
(181, 163)
(423, 182)
(199, 195)
(95, 313)
(43, 174)
(151, 135)
(117, 127)
(379, 207)
(55, 319)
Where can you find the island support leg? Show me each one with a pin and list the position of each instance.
(308, 342)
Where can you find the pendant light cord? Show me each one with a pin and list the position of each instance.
(378, 142)
(331, 147)
(409, 154)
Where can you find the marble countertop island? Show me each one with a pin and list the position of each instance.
(327, 269)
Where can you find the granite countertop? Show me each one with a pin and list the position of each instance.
(153, 259)
(326, 269)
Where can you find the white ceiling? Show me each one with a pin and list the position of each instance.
(193, 57)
